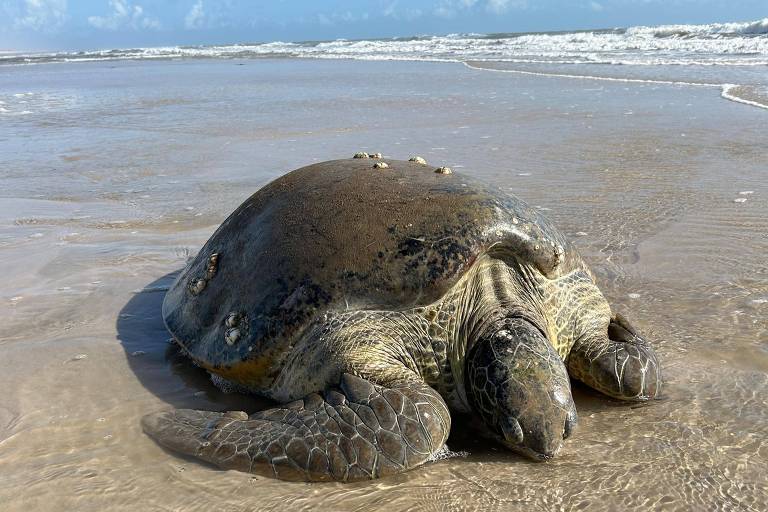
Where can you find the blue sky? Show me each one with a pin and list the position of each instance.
(90, 24)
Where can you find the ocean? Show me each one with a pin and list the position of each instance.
(730, 56)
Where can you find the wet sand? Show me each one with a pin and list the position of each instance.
(120, 171)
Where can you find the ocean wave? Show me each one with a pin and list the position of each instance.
(742, 47)
(713, 30)
(717, 44)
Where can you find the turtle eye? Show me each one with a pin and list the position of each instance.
(511, 429)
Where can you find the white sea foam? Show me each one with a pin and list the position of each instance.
(744, 94)
(593, 77)
(731, 44)
(747, 95)
(727, 46)
(712, 30)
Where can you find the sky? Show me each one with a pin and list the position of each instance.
(95, 24)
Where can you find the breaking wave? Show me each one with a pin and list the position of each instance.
(726, 46)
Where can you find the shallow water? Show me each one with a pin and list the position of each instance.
(120, 171)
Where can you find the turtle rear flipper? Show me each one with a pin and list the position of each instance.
(358, 431)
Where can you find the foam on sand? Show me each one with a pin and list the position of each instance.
(748, 95)
(745, 94)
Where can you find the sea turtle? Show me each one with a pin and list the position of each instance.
(372, 300)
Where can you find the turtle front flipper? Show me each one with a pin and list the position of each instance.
(358, 431)
(619, 363)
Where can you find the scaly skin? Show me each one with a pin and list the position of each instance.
(520, 388)
(621, 364)
(493, 345)
(359, 431)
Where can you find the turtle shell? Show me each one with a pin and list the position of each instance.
(335, 236)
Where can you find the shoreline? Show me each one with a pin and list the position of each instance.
(748, 97)
(744, 94)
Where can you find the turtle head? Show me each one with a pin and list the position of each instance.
(519, 387)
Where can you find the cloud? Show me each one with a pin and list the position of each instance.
(217, 14)
(41, 15)
(340, 17)
(124, 15)
(596, 6)
(195, 18)
(500, 6)
(451, 8)
(323, 19)
(408, 13)
(447, 8)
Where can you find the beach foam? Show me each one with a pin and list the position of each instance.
(726, 44)
(748, 95)
(734, 54)
(755, 96)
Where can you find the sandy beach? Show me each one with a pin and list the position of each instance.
(114, 173)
